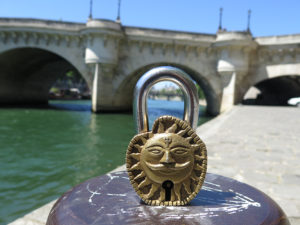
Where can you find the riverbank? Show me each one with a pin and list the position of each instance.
(202, 102)
(255, 145)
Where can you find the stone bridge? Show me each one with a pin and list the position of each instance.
(112, 57)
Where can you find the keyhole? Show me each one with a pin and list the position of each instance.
(167, 185)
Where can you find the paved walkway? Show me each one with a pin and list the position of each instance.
(256, 145)
(259, 146)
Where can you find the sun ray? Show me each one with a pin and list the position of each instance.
(144, 140)
(141, 175)
(136, 166)
(182, 132)
(161, 128)
(189, 139)
(145, 183)
(172, 129)
(138, 147)
(195, 147)
(193, 135)
(136, 156)
(172, 194)
(162, 195)
(194, 176)
(153, 189)
(199, 158)
(177, 188)
(187, 186)
(198, 167)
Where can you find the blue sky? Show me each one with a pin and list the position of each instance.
(269, 17)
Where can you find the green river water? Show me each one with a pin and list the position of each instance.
(44, 152)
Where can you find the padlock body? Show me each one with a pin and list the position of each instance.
(167, 166)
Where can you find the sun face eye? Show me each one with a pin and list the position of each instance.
(155, 151)
(179, 151)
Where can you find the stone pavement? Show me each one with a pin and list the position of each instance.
(256, 145)
(259, 146)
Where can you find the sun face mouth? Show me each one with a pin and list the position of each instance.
(168, 167)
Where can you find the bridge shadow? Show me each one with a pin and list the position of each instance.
(51, 106)
(209, 198)
(62, 106)
(86, 107)
(212, 197)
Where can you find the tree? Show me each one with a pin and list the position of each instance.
(200, 92)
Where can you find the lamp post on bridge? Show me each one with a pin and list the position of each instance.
(248, 22)
(118, 20)
(91, 10)
(220, 19)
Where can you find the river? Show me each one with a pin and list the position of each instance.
(46, 151)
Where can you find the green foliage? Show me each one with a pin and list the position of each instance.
(166, 92)
(178, 91)
(54, 90)
(200, 92)
(71, 79)
(70, 74)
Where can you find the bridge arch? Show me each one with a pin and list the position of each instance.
(273, 84)
(73, 55)
(126, 88)
(27, 74)
(274, 91)
(268, 71)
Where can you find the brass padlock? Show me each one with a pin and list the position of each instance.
(166, 166)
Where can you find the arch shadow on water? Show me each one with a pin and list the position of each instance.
(80, 106)
(61, 106)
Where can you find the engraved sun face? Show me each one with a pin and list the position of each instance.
(167, 157)
(167, 166)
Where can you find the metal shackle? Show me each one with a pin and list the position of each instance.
(158, 74)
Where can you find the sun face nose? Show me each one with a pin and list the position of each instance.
(167, 159)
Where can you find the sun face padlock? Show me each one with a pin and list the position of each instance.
(167, 165)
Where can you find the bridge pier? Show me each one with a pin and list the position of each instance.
(102, 51)
(103, 88)
(228, 92)
(234, 51)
